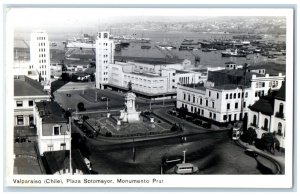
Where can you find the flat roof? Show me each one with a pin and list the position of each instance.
(25, 86)
(52, 112)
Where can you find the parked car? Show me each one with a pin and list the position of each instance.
(189, 118)
(251, 153)
(206, 125)
(197, 122)
(172, 112)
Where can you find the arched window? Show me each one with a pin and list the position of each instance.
(266, 122)
(279, 131)
(254, 120)
(281, 108)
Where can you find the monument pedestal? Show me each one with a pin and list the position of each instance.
(129, 114)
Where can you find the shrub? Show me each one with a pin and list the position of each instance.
(108, 134)
(249, 136)
(80, 106)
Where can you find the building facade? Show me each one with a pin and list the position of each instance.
(222, 104)
(53, 129)
(104, 57)
(267, 115)
(224, 98)
(40, 55)
(152, 79)
(26, 93)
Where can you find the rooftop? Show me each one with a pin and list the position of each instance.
(149, 60)
(264, 105)
(25, 86)
(59, 160)
(26, 159)
(51, 112)
(234, 76)
(281, 93)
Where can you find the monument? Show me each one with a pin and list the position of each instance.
(129, 113)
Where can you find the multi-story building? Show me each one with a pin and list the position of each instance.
(152, 80)
(53, 129)
(25, 68)
(40, 55)
(104, 57)
(268, 115)
(26, 93)
(226, 95)
(222, 104)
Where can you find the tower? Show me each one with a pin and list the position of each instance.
(104, 57)
(40, 55)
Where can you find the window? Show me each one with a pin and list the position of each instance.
(239, 95)
(234, 95)
(224, 117)
(215, 116)
(213, 104)
(192, 109)
(56, 130)
(209, 93)
(246, 95)
(202, 112)
(193, 99)
(20, 120)
(206, 103)
(19, 103)
(217, 95)
(226, 96)
(236, 105)
(254, 120)
(279, 130)
(281, 108)
(263, 84)
(230, 95)
(244, 104)
(243, 95)
(200, 101)
(210, 114)
(105, 35)
(228, 106)
(63, 146)
(183, 96)
(266, 124)
(189, 98)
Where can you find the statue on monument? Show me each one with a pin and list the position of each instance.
(129, 86)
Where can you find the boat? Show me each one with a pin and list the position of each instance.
(208, 49)
(230, 53)
(53, 44)
(145, 47)
(166, 47)
(132, 39)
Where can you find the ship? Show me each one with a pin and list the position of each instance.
(145, 47)
(85, 42)
(235, 53)
(131, 39)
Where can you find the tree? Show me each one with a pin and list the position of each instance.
(80, 106)
(183, 112)
(269, 142)
(249, 135)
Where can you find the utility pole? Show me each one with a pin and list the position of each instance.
(243, 90)
(133, 150)
(70, 156)
(96, 96)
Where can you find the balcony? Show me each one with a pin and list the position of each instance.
(279, 115)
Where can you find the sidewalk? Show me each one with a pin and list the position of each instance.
(278, 156)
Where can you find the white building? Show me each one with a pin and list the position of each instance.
(53, 129)
(150, 79)
(224, 97)
(104, 57)
(25, 68)
(268, 115)
(40, 55)
(26, 93)
(224, 103)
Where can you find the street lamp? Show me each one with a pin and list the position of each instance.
(184, 156)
